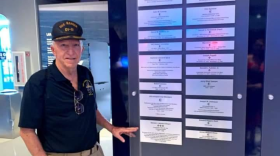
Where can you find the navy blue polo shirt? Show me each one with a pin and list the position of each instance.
(48, 106)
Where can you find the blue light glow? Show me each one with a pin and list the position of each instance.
(124, 61)
(6, 69)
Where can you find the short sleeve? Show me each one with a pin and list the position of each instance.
(32, 103)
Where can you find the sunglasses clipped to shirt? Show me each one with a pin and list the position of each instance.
(79, 107)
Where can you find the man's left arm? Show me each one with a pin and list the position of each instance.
(116, 131)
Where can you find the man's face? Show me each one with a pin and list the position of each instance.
(67, 52)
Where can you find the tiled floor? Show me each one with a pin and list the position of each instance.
(4, 140)
(15, 147)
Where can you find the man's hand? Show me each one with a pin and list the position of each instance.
(118, 131)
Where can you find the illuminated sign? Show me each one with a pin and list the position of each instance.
(2, 55)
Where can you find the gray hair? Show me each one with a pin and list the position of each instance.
(81, 43)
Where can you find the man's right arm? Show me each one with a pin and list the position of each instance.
(31, 113)
(32, 142)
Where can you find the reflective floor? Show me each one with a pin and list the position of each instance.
(4, 140)
(16, 147)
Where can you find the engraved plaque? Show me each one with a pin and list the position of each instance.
(208, 123)
(161, 132)
(210, 32)
(160, 66)
(209, 70)
(211, 15)
(208, 107)
(209, 87)
(207, 1)
(158, 2)
(208, 135)
(160, 34)
(161, 105)
(168, 46)
(210, 45)
(160, 86)
(210, 58)
(160, 18)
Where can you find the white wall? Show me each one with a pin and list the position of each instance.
(100, 68)
(22, 15)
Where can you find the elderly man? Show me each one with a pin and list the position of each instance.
(59, 102)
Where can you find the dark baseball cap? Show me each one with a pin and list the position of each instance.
(67, 29)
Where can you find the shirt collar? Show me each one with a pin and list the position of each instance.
(58, 76)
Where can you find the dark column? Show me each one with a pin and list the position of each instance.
(119, 71)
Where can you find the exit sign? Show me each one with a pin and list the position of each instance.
(2, 55)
